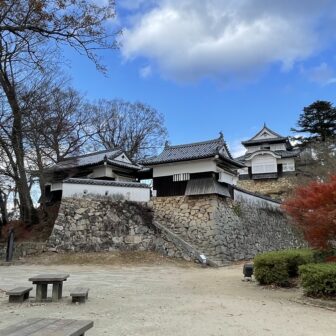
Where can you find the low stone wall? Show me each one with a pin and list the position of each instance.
(23, 249)
(225, 230)
(278, 189)
(86, 225)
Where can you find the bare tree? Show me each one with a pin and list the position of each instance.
(7, 191)
(28, 30)
(80, 24)
(6, 187)
(135, 127)
(56, 125)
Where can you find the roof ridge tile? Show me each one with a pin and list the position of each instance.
(219, 140)
(90, 154)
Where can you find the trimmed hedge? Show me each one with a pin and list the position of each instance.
(321, 256)
(318, 279)
(278, 267)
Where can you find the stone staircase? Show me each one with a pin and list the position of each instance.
(194, 220)
(181, 243)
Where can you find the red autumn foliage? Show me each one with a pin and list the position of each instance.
(313, 208)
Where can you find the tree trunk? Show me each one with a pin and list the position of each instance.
(42, 181)
(3, 212)
(27, 213)
(26, 203)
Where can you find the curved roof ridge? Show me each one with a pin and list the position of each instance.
(193, 151)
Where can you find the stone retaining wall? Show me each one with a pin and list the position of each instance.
(278, 188)
(86, 225)
(23, 249)
(225, 230)
(222, 229)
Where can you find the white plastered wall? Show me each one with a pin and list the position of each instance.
(129, 193)
(103, 171)
(191, 167)
(123, 158)
(264, 164)
(280, 146)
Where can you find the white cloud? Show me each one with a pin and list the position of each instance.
(236, 148)
(193, 39)
(145, 71)
(322, 74)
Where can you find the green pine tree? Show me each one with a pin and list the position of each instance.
(318, 120)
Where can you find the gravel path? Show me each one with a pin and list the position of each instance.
(169, 300)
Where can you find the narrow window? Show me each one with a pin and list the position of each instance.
(181, 177)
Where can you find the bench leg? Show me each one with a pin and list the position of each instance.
(41, 292)
(57, 291)
(16, 298)
(60, 290)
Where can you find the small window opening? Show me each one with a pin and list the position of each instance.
(265, 147)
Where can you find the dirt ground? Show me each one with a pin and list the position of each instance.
(168, 299)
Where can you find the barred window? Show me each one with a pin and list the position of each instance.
(181, 177)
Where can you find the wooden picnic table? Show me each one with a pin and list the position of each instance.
(48, 327)
(43, 280)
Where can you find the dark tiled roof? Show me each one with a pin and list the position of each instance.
(288, 154)
(267, 198)
(92, 159)
(277, 137)
(268, 140)
(232, 161)
(106, 183)
(265, 128)
(123, 164)
(206, 186)
(240, 158)
(192, 151)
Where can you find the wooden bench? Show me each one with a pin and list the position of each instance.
(19, 294)
(44, 327)
(79, 294)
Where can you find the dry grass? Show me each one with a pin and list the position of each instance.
(38, 232)
(118, 258)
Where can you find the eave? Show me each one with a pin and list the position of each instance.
(263, 141)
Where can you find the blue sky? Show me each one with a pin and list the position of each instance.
(215, 65)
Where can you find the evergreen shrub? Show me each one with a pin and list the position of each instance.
(318, 279)
(279, 267)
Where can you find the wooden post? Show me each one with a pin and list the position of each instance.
(10, 246)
